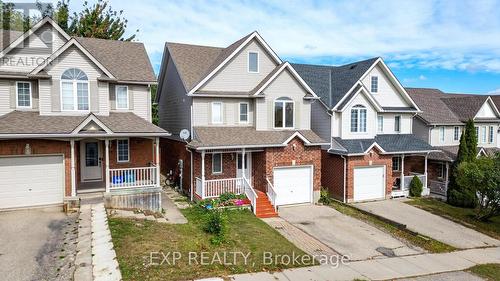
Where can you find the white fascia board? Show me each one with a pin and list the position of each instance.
(296, 134)
(374, 144)
(255, 35)
(89, 119)
(46, 136)
(68, 44)
(364, 91)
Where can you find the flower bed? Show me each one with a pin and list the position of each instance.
(226, 200)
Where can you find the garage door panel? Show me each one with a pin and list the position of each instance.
(293, 185)
(369, 183)
(31, 181)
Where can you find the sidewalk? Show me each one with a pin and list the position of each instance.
(383, 269)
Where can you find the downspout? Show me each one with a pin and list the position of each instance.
(344, 179)
(191, 173)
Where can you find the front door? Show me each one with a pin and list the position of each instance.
(244, 168)
(91, 157)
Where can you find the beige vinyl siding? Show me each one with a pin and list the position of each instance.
(234, 76)
(104, 98)
(449, 130)
(45, 96)
(371, 120)
(141, 101)
(387, 94)
(389, 123)
(33, 51)
(202, 111)
(283, 86)
(5, 97)
(174, 106)
(486, 111)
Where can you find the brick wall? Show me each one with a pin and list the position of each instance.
(259, 171)
(141, 154)
(171, 151)
(332, 174)
(16, 147)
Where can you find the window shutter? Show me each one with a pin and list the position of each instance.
(55, 96)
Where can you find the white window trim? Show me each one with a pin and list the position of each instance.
(441, 165)
(248, 113)
(284, 113)
(116, 97)
(17, 95)
(221, 164)
(75, 95)
(455, 136)
(397, 117)
(380, 117)
(399, 163)
(128, 151)
(248, 61)
(358, 129)
(484, 134)
(221, 112)
(371, 83)
(442, 134)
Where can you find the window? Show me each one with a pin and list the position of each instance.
(380, 123)
(441, 134)
(491, 136)
(397, 123)
(484, 135)
(253, 62)
(122, 150)
(358, 119)
(23, 94)
(217, 112)
(121, 97)
(456, 133)
(243, 112)
(396, 163)
(216, 163)
(477, 133)
(74, 90)
(283, 113)
(440, 170)
(374, 84)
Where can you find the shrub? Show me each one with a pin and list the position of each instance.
(416, 187)
(227, 196)
(216, 224)
(324, 196)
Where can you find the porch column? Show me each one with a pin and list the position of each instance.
(243, 162)
(73, 170)
(106, 146)
(402, 172)
(157, 163)
(425, 170)
(203, 174)
(447, 176)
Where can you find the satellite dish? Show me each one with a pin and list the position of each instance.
(184, 134)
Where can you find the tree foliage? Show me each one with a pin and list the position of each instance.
(154, 105)
(416, 187)
(471, 141)
(483, 177)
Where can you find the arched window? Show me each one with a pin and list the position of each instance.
(358, 119)
(74, 90)
(283, 113)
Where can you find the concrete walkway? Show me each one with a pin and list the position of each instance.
(172, 213)
(429, 224)
(383, 269)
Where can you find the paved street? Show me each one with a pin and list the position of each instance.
(37, 244)
(429, 224)
(344, 234)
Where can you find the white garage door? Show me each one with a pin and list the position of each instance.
(369, 183)
(293, 185)
(31, 181)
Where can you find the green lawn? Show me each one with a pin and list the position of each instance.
(427, 243)
(134, 240)
(460, 215)
(489, 272)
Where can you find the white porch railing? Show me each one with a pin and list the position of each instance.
(251, 195)
(407, 180)
(133, 177)
(271, 193)
(199, 187)
(438, 187)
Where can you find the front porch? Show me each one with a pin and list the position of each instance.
(403, 173)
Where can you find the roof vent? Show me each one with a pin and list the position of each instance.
(353, 66)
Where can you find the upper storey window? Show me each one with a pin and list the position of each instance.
(253, 62)
(121, 97)
(358, 119)
(23, 94)
(283, 113)
(374, 84)
(74, 90)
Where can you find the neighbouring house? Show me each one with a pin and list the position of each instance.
(75, 117)
(442, 122)
(367, 116)
(248, 114)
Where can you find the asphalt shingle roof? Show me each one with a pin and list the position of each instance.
(331, 83)
(31, 122)
(246, 136)
(389, 143)
(449, 153)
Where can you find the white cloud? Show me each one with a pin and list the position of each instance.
(422, 77)
(494, 92)
(462, 35)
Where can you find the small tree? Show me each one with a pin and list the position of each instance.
(416, 187)
(483, 178)
(470, 141)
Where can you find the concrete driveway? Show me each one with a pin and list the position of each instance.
(429, 224)
(37, 244)
(344, 234)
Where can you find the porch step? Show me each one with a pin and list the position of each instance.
(264, 207)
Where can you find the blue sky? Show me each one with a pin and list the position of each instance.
(450, 45)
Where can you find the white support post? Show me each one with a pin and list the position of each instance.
(157, 159)
(425, 170)
(203, 174)
(73, 169)
(243, 163)
(402, 172)
(447, 176)
(106, 146)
